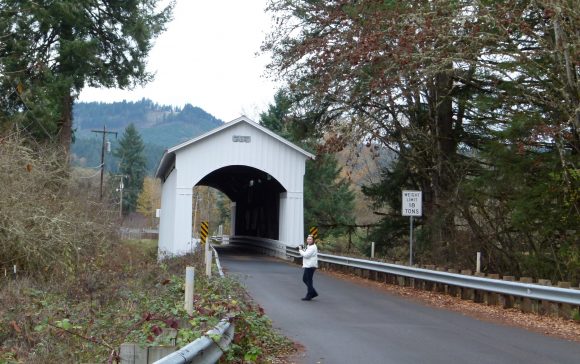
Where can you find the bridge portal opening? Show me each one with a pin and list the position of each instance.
(255, 197)
(212, 206)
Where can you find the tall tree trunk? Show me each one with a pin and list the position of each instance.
(441, 220)
(65, 123)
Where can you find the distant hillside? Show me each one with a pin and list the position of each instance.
(160, 126)
(170, 125)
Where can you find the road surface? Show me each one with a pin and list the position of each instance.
(352, 323)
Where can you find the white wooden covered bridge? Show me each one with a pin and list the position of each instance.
(261, 173)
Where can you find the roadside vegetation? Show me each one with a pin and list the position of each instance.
(79, 292)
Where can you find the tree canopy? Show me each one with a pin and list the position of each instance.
(480, 101)
(53, 49)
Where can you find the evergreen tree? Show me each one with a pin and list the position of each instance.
(272, 119)
(132, 165)
(52, 49)
(328, 200)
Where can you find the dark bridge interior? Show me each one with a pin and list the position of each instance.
(257, 198)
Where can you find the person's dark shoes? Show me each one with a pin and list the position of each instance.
(306, 298)
(314, 295)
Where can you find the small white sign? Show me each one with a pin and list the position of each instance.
(241, 139)
(412, 203)
(157, 212)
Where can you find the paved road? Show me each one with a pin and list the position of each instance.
(350, 323)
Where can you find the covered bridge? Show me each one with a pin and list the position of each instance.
(261, 173)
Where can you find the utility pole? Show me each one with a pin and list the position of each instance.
(121, 186)
(105, 132)
(120, 190)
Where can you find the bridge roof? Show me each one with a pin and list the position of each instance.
(169, 156)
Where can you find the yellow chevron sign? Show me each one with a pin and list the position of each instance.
(203, 231)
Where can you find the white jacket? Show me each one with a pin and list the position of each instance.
(309, 256)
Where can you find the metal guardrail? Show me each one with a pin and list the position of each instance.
(267, 246)
(527, 290)
(206, 350)
(217, 261)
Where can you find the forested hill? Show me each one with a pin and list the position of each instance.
(160, 126)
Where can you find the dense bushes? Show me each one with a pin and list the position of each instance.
(46, 224)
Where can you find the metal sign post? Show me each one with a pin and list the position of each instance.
(411, 242)
(412, 206)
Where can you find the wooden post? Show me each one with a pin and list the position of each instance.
(452, 290)
(508, 301)
(564, 309)
(527, 304)
(209, 255)
(492, 297)
(189, 289)
(545, 307)
(440, 287)
(478, 296)
(466, 293)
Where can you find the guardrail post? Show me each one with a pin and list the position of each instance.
(429, 286)
(545, 307)
(452, 290)
(400, 280)
(440, 287)
(478, 296)
(382, 277)
(491, 298)
(527, 305)
(564, 309)
(466, 293)
(508, 301)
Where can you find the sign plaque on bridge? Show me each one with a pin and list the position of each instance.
(412, 206)
(241, 139)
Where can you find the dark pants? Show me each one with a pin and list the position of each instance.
(307, 279)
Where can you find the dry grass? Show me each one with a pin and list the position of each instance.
(45, 227)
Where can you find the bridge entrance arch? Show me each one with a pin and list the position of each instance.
(260, 172)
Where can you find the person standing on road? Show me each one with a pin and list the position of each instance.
(309, 263)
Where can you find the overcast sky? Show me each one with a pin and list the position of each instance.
(207, 58)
